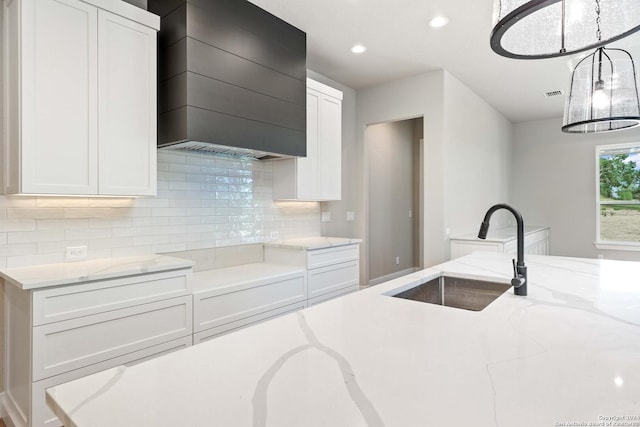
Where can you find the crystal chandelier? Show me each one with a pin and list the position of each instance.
(548, 28)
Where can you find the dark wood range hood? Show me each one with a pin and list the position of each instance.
(232, 79)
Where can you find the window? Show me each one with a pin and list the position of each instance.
(618, 196)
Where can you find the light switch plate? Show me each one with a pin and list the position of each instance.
(351, 216)
(326, 216)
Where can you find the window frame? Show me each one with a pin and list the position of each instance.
(611, 244)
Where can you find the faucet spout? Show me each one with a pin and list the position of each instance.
(519, 280)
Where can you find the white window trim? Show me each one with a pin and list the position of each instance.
(611, 244)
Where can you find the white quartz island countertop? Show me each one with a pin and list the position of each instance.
(567, 354)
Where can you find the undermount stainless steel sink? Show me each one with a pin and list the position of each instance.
(468, 294)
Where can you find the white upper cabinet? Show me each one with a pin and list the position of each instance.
(317, 176)
(80, 98)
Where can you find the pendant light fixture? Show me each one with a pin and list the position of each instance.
(537, 29)
(603, 94)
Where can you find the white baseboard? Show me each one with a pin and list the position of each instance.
(392, 276)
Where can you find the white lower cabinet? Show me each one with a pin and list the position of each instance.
(227, 299)
(57, 334)
(331, 271)
(536, 242)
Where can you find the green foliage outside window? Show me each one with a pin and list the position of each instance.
(619, 178)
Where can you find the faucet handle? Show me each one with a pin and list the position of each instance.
(517, 280)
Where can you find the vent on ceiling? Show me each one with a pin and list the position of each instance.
(553, 93)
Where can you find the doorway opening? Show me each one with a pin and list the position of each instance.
(394, 152)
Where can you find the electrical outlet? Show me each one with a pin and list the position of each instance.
(326, 216)
(274, 235)
(75, 253)
(397, 260)
(410, 213)
(351, 216)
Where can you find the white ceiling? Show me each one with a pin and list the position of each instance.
(400, 43)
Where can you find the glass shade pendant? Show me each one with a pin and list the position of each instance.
(603, 94)
(537, 29)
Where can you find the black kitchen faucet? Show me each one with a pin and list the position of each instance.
(519, 281)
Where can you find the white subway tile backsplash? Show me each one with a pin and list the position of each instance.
(61, 224)
(203, 201)
(34, 259)
(157, 239)
(131, 251)
(89, 233)
(35, 236)
(171, 247)
(119, 242)
(62, 202)
(17, 249)
(60, 246)
(87, 212)
(111, 202)
(20, 213)
(18, 202)
(17, 225)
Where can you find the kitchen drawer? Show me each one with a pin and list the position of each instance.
(211, 333)
(72, 344)
(214, 308)
(328, 279)
(68, 302)
(43, 416)
(324, 257)
(332, 295)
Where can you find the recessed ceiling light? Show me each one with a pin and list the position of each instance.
(439, 21)
(358, 48)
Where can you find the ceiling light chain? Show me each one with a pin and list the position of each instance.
(598, 19)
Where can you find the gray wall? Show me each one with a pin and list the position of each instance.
(466, 152)
(554, 183)
(477, 159)
(390, 147)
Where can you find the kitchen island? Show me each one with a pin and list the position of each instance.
(567, 353)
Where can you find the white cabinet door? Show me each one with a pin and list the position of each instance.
(127, 106)
(59, 110)
(317, 176)
(330, 148)
(80, 107)
(307, 167)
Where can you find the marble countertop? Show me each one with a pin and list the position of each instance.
(42, 276)
(312, 243)
(500, 234)
(566, 353)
